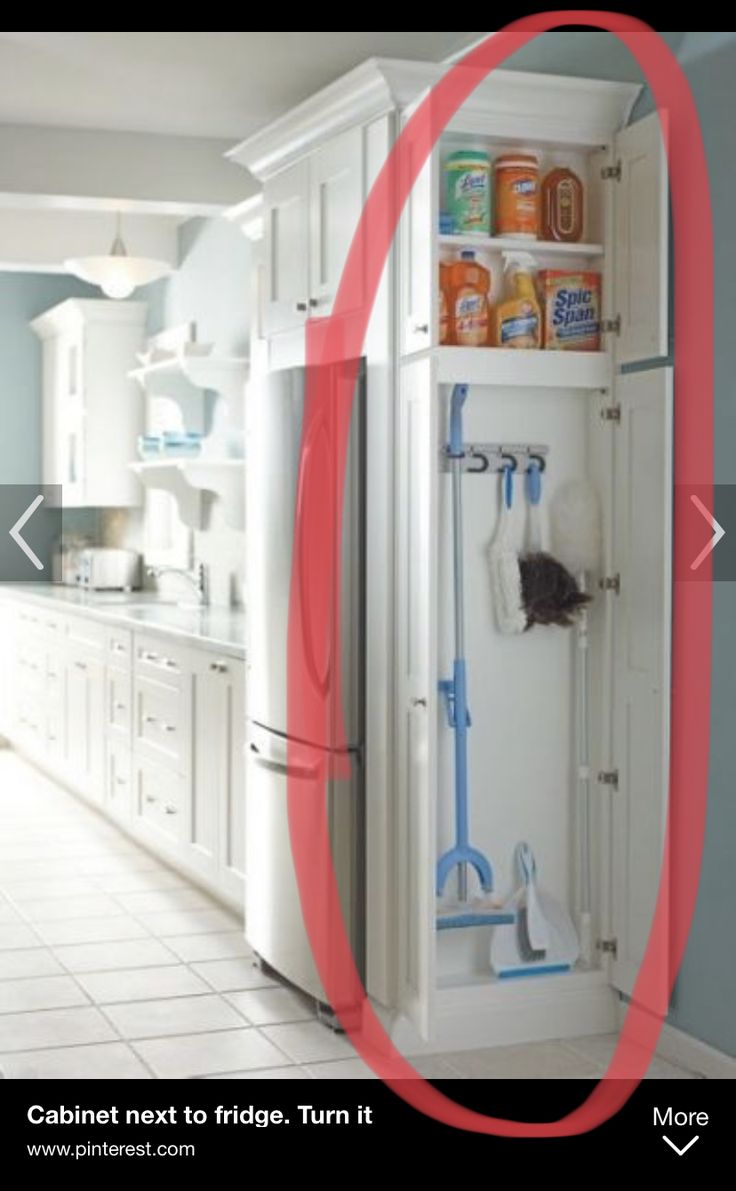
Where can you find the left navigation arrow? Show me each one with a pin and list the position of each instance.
(16, 535)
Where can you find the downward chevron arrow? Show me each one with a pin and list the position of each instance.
(684, 1149)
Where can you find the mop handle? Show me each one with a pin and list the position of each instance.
(456, 453)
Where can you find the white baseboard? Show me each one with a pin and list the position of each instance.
(691, 1053)
(471, 1016)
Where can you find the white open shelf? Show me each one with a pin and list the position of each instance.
(525, 369)
(510, 244)
(191, 480)
(185, 377)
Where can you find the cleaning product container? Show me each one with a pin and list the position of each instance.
(468, 192)
(517, 196)
(470, 284)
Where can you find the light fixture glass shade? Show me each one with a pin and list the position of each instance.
(118, 274)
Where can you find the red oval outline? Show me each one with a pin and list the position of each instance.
(340, 338)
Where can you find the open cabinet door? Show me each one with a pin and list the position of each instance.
(641, 250)
(417, 464)
(641, 672)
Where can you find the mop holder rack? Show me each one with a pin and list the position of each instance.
(491, 458)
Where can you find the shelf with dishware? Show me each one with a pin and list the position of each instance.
(186, 374)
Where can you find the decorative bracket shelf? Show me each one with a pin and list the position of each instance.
(192, 481)
(186, 379)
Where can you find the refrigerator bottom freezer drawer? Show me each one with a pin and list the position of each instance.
(274, 923)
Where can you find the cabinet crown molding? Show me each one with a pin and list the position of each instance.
(544, 105)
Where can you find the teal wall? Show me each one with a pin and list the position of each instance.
(22, 297)
(210, 287)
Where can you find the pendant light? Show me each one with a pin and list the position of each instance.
(118, 274)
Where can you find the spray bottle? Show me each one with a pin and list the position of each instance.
(518, 319)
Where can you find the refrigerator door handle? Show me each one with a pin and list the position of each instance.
(302, 772)
(319, 430)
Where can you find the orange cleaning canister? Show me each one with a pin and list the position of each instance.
(470, 284)
(517, 196)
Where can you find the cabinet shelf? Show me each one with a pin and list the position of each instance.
(184, 377)
(191, 481)
(510, 244)
(523, 369)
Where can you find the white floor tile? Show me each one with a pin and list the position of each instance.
(183, 1015)
(141, 882)
(598, 1049)
(269, 1073)
(230, 945)
(23, 891)
(165, 900)
(539, 1060)
(54, 909)
(53, 1028)
(16, 936)
(106, 866)
(35, 962)
(190, 922)
(8, 914)
(40, 992)
(209, 1054)
(101, 957)
(272, 1006)
(91, 930)
(342, 1069)
(231, 975)
(144, 984)
(112, 1060)
(309, 1042)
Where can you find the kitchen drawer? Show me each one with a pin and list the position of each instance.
(119, 782)
(31, 665)
(30, 721)
(88, 634)
(53, 624)
(120, 647)
(163, 722)
(159, 659)
(161, 799)
(30, 618)
(119, 703)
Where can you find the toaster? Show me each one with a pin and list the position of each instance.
(101, 568)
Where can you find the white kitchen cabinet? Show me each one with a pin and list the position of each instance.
(92, 411)
(312, 209)
(85, 723)
(218, 810)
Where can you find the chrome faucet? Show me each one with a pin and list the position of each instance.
(197, 577)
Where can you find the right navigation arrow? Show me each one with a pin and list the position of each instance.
(684, 1149)
(718, 533)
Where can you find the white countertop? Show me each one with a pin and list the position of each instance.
(218, 628)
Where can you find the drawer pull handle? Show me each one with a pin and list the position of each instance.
(150, 719)
(117, 647)
(147, 656)
(171, 664)
(150, 798)
(120, 707)
(81, 665)
(421, 328)
(169, 727)
(169, 809)
(218, 667)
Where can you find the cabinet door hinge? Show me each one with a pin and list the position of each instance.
(611, 413)
(611, 326)
(612, 173)
(609, 777)
(608, 947)
(610, 583)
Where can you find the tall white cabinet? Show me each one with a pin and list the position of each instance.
(92, 411)
(611, 428)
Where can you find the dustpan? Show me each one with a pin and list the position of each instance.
(508, 958)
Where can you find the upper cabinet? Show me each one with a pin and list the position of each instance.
(312, 209)
(92, 411)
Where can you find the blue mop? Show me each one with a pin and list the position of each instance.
(462, 855)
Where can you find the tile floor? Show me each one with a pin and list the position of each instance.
(112, 966)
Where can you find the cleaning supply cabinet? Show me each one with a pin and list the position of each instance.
(612, 429)
(596, 423)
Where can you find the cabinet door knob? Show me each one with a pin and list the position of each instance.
(169, 809)
(421, 328)
(301, 307)
(150, 798)
(169, 727)
(81, 665)
(419, 702)
(314, 302)
(218, 667)
(148, 656)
